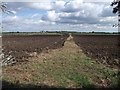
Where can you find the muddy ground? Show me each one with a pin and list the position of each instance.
(103, 48)
(22, 47)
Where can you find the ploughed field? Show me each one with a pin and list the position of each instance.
(21, 47)
(104, 48)
(66, 65)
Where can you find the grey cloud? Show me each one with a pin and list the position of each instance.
(81, 13)
(107, 11)
(20, 6)
(78, 21)
(17, 6)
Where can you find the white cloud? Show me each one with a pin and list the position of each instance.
(58, 4)
(11, 19)
(108, 20)
(43, 1)
(50, 16)
(72, 15)
(53, 0)
(83, 15)
(41, 6)
(23, 6)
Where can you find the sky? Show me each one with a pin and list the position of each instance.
(59, 15)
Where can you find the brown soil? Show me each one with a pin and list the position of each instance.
(20, 46)
(69, 49)
(103, 48)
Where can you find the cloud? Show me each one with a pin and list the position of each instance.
(45, 1)
(60, 15)
(11, 19)
(58, 5)
(106, 11)
(84, 13)
(50, 16)
(41, 6)
(108, 20)
(21, 6)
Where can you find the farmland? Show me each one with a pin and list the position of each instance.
(21, 47)
(104, 48)
(61, 61)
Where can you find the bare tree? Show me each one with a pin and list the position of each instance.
(3, 7)
(5, 59)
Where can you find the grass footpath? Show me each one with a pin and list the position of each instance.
(67, 67)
